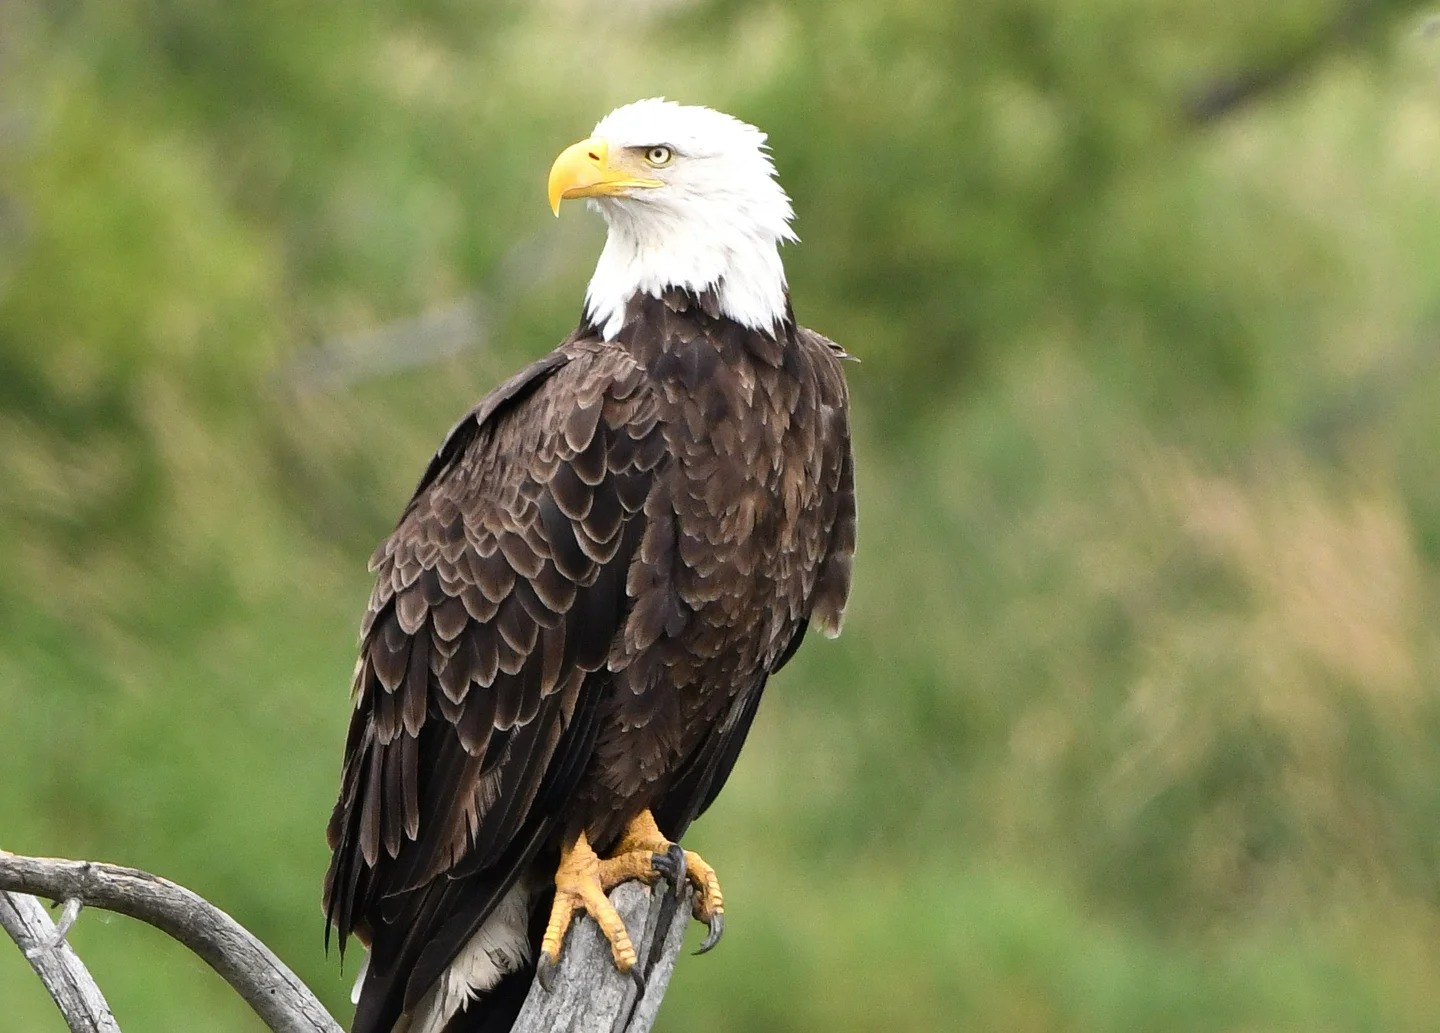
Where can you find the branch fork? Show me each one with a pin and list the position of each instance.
(589, 995)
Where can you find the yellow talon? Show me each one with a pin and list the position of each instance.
(583, 880)
(579, 885)
(643, 838)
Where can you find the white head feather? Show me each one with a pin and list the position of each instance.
(717, 221)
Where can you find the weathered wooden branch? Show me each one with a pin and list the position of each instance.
(589, 995)
(56, 963)
(277, 995)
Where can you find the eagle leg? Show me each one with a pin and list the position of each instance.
(583, 880)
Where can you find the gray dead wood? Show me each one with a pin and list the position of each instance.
(284, 1003)
(589, 995)
(56, 963)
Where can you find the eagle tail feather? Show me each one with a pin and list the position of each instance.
(497, 1010)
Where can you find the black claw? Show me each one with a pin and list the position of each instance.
(638, 978)
(671, 864)
(545, 972)
(717, 930)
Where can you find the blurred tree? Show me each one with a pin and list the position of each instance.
(995, 173)
(1133, 725)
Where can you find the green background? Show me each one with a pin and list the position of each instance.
(1135, 724)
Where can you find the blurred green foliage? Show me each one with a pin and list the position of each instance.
(1134, 724)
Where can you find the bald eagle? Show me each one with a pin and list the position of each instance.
(576, 615)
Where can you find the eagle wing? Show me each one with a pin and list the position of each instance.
(483, 657)
(829, 556)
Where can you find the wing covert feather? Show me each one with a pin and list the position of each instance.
(495, 603)
(824, 453)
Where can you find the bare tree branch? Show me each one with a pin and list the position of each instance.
(466, 324)
(590, 996)
(56, 963)
(277, 995)
(432, 336)
(1356, 21)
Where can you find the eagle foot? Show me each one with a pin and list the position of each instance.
(581, 884)
(584, 880)
(642, 836)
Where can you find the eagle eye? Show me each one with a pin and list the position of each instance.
(659, 156)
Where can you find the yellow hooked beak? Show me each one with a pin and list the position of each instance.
(584, 170)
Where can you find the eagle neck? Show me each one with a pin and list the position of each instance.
(684, 332)
(653, 249)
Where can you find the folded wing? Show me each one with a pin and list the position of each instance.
(482, 660)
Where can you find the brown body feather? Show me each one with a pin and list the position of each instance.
(576, 616)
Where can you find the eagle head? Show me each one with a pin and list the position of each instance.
(691, 201)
